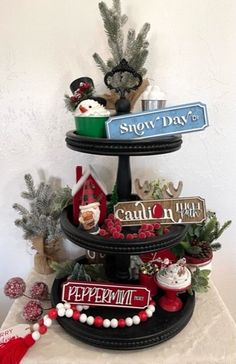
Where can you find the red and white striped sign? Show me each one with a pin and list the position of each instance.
(103, 294)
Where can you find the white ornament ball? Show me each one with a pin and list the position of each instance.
(149, 312)
(83, 318)
(59, 305)
(36, 335)
(69, 312)
(47, 322)
(35, 327)
(129, 321)
(85, 307)
(136, 320)
(106, 323)
(61, 312)
(67, 305)
(79, 308)
(90, 320)
(152, 308)
(114, 323)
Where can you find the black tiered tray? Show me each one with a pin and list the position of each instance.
(161, 327)
(118, 246)
(135, 147)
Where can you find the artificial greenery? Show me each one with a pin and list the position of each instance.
(157, 187)
(113, 200)
(45, 206)
(134, 48)
(202, 236)
(83, 272)
(200, 281)
(84, 92)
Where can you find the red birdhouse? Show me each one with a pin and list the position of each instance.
(95, 193)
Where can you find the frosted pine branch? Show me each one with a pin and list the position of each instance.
(21, 209)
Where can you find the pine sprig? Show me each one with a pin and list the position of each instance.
(135, 48)
(45, 207)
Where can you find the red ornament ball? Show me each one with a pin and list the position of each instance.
(98, 321)
(32, 311)
(39, 291)
(15, 287)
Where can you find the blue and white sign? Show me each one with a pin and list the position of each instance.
(172, 120)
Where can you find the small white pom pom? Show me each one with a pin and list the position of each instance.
(129, 321)
(59, 305)
(36, 335)
(106, 323)
(83, 318)
(69, 312)
(114, 323)
(47, 322)
(67, 305)
(149, 312)
(136, 320)
(85, 307)
(90, 320)
(61, 312)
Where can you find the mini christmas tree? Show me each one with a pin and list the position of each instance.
(134, 49)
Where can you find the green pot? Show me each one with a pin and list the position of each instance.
(91, 126)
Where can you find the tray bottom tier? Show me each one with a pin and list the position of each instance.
(160, 327)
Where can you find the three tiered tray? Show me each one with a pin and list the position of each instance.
(163, 325)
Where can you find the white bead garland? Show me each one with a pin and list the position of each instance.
(47, 321)
(149, 312)
(64, 309)
(61, 312)
(152, 308)
(83, 318)
(36, 335)
(59, 305)
(35, 327)
(128, 321)
(106, 323)
(136, 320)
(67, 305)
(90, 320)
(114, 323)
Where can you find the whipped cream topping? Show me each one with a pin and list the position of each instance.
(153, 93)
(175, 276)
(91, 108)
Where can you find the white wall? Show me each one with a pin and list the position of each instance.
(47, 44)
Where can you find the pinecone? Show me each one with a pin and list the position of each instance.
(206, 250)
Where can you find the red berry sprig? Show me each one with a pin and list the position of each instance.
(112, 229)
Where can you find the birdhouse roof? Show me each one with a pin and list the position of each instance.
(88, 172)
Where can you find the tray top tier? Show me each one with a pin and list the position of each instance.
(118, 246)
(103, 146)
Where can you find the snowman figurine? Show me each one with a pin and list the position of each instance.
(91, 108)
